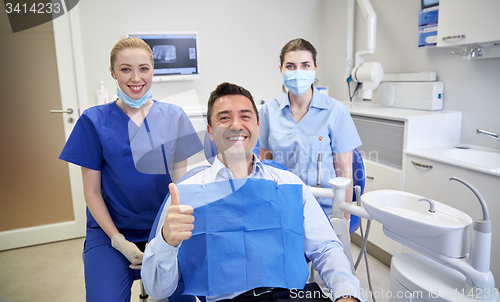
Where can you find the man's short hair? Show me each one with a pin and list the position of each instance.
(227, 89)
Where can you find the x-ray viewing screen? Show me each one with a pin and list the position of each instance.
(175, 54)
(429, 3)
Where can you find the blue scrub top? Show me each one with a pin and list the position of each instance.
(101, 140)
(296, 145)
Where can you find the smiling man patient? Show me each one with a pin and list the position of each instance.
(241, 230)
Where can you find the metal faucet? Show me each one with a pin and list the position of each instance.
(490, 134)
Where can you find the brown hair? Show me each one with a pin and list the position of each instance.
(297, 44)
(227, 89)
(130, 42)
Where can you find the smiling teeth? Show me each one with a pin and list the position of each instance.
(236, 138)
(136, 88)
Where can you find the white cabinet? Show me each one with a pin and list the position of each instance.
(382, 151)
(463, 22)
(386, 133)
(396, 287)
(380, 177)
(434, 183)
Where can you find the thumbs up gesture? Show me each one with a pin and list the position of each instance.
(179, 220)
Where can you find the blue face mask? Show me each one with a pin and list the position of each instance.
(131, 102)
(298, 81)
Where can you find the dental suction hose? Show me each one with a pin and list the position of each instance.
(480, 248)
(319, 166)
(357, 190)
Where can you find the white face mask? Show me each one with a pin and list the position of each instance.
(298, 81)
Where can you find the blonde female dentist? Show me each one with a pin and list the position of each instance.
(123, 194)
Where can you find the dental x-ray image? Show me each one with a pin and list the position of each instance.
(164, 54)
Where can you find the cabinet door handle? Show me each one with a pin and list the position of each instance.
(454, 37)
(370, 177)
(421, 165)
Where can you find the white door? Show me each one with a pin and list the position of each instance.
(41, 197)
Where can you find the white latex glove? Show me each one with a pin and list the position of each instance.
(128, 249)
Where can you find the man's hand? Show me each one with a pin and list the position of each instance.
(179, 220)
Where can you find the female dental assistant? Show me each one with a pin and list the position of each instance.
(304, 126)
(129, 151)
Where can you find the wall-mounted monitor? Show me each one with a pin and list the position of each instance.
(175, 54)
(429, 3)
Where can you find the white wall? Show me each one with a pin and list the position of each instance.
(239, 40)
(471, 87)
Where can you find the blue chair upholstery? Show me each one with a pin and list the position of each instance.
(256, 150)
(275, 164)
(210, 149)
(358, 179)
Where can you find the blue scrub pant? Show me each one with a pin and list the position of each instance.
(107, 274)
(109, 278)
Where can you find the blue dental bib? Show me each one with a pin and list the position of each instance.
(248, 233)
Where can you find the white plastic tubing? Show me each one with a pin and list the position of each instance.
(350, 38)
(371, 29)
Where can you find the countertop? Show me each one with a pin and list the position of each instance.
(427, 143)
(438, 154)
(367, 108)
(195, 111)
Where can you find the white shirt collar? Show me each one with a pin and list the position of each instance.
(220, 172)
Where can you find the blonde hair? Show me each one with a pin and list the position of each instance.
(130, 42)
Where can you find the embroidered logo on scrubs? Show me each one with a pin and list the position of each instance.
(251, 237)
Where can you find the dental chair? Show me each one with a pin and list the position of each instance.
(210, 152)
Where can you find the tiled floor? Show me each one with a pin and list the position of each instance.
(54, 272)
